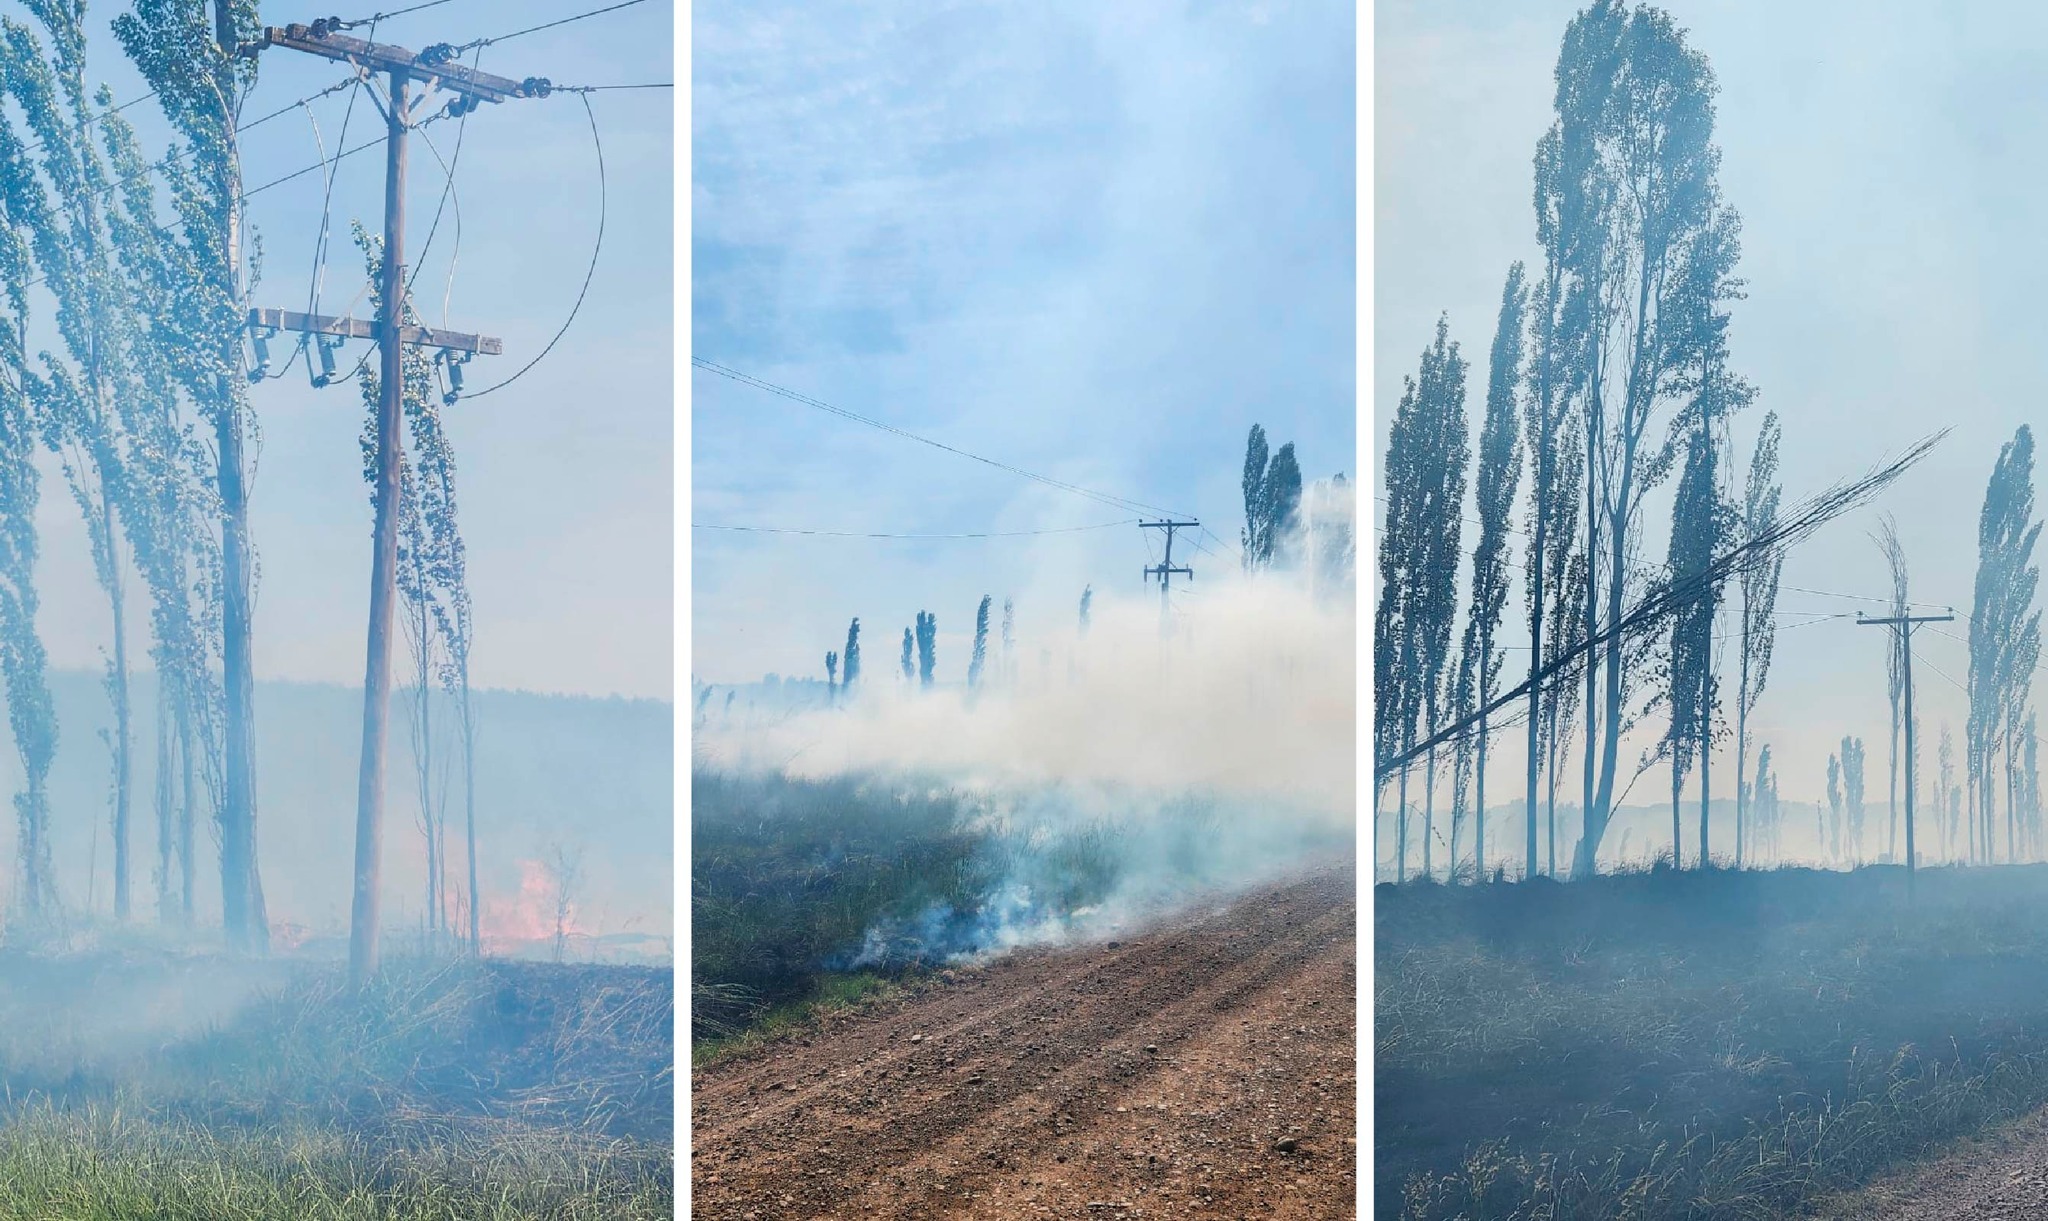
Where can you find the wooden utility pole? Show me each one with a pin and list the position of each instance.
(1902, 633)
(1165, 570)
(402, 68)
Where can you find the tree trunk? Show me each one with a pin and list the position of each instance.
(1479, 790)
(166, 900)
(1401, 830)
(124, 734)
(188, 860)
(242, 912)
(1428, 810)
(476, 941)
(1706, 786)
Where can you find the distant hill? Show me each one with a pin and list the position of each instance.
(592, 776)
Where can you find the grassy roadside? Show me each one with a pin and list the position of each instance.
(109, 1162)
(1720, 1044)
(146, 1086)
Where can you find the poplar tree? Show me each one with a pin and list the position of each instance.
(1945, 783)
(1281, 527)
(1413, 624)
(1629, 206)
(1852, 794)
(1834, 841)
(80, 412)
(24, 667)
(430, 576)
(927, 647)
(1434, 567)
(1009, 642)
(1887, 539)
(2004, 629)
(852, 654)
(909, 674)
(1758, 586)
(979, 658)
(188, 55)
(1253, 485)
(1499, 474)
(1694, 538)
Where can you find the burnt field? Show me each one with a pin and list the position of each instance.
(148, 1084)
(1728, 1044)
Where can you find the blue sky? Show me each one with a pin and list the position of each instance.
(1094, 241)
(566, 477)
(1889, 161)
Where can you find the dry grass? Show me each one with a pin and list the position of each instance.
(1720, 1044)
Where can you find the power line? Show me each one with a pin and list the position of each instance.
(1114, 502)
(595, 249)
(374, 18)
(859, 534)
(603, 88)
(535, 29)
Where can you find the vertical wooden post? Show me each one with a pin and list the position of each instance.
(362, 956)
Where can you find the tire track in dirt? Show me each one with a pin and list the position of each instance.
(1202, 1068)
(2001, 1175)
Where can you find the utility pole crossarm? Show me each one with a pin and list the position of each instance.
(357, 328)
(384, 57)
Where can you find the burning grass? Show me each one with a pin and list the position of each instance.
(490, 1089)
(810, 894)
(1717, 1044)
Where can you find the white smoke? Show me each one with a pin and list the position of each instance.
(1180, 755)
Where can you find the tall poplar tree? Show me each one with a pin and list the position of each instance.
(1499, 474)
(187, 52)
(927, 647)
(1757, 584)
(2004, 629)
(24, 667)
(852, 655)
(979, 657)
(1629, 171)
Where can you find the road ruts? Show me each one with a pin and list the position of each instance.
(1203, 1068)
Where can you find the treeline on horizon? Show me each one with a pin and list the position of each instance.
(1283, 531)
(1610, 376)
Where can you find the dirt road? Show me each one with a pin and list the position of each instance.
(1205, 1067)
(2002, 1176)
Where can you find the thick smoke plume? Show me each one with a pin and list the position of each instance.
(1152, 761)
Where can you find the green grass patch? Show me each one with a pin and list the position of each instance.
(103, 1164)
(144, 1084)
(1719, 1044)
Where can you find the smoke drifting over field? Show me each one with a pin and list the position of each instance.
(1109, 775)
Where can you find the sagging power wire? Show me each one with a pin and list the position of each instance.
(597, 143)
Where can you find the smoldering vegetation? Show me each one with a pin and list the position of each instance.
(1713, 1043)
(862, 843)
(149, 1083)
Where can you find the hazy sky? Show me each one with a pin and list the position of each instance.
(1094, 241)
(1889, 161)
(566, 477)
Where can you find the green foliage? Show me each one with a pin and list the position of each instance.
(852, 653)
(2005, 633)
(979, 658)
(927, 647)
(108, 1162)
(1256, 457)
(785, 875)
